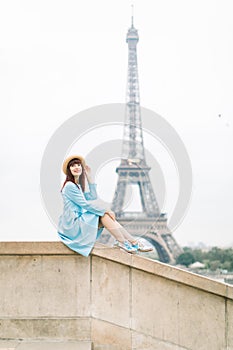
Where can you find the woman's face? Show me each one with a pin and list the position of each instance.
(76, 169)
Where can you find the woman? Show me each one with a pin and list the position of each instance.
(81, 222)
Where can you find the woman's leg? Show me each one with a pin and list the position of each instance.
(116, 229)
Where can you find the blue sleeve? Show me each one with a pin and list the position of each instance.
(92, 194)
(76, 196)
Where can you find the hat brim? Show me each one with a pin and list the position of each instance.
(66, 162)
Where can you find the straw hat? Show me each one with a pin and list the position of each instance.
(66, 162)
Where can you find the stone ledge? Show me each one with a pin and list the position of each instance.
(116, 255)
(166, 271)
(34, 248)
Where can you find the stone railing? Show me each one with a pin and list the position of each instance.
(52, 298)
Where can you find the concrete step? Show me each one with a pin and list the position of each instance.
(45, 345)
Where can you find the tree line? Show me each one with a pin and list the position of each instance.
(213, 259)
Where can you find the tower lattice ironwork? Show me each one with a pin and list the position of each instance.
(133, 170)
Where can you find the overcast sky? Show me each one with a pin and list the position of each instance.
(61, 57)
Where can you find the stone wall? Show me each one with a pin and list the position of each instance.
(52, 298)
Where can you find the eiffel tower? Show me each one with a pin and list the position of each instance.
(133, 170)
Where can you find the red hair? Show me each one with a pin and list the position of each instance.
(70, 177)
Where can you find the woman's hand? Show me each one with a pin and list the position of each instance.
(87, 171)
(111, 214)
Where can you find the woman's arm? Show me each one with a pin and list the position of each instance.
(92, 194)
(92, 186)
(76, 196)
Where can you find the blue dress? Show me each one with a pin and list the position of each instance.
(78, 225)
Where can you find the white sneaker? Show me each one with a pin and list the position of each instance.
(142, 247)
(127, 246)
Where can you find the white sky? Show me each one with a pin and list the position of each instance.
(61, 57)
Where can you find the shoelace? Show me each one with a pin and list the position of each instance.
(139, 244)
(127, 245)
